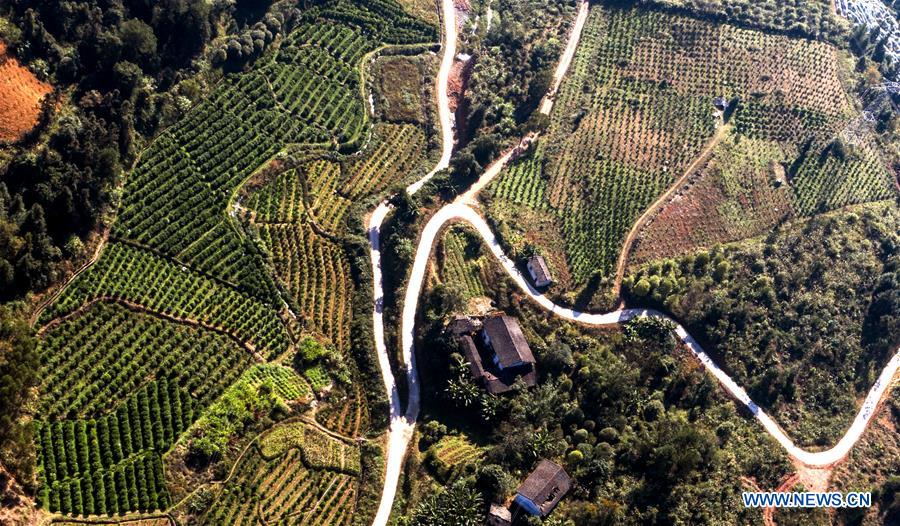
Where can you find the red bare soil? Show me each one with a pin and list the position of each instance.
(708, 210)
(20, 98)
(457, 83)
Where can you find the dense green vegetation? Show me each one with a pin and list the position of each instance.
(514, 64)
(122, 70)
(129, 274)
(637, 111)
(112, 464)
(18, 375)
(804, 318)
(461, 263)
(262, 390)
(805, 18)
(649, 437)
(195, 283)
(103, 355)
(302, 94)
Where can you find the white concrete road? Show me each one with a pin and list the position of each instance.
(459, 211)
(403, 423)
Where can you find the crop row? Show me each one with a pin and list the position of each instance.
(827, 182)
(458, 270)
(131, 274)
(285, 383)
(636, 111)
(740, 193)
(457, 449)
(102, 356)
(399, 150)
(283, 490)
(136, 484)
(328, 206)
(150, 419)
(347, 415)
(523, 182)
(180, 190)
(317, 275)
(280, 200)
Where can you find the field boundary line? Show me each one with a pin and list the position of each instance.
(35, 316)
(143, 309)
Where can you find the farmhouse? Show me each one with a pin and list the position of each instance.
(500, 357)
(540, 272)
(543, 489)
(721, 103)
(503, 334)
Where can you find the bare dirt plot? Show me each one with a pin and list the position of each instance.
(20, 98)
(736, 195)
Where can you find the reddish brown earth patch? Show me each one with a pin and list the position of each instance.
(21, 94)
(708, 210)
(457, 83)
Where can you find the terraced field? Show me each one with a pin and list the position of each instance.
(297, 475)
(637, 110)
(99, 357)
(304, 94)
(153, 345)
(125, 273)
(112, 464)
(461, 265)
(347, 415)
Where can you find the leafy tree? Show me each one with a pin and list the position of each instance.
(138, 41)
(18, 374)
(458, 505)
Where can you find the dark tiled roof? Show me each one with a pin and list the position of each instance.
(546, 485)
(507, 340)
(540, 269)
(471, 354)
(462, 325)
(503, 381)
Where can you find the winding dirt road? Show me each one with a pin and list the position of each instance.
(402, 425)
(461, 210)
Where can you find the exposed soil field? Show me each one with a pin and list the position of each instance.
(739, 193)
(20, 98)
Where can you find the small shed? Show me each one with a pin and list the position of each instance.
(543, 489)
(540, 272)
(721, 103)
(503, 334)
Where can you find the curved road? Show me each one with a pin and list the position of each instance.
(461, 211)
(403, 424)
